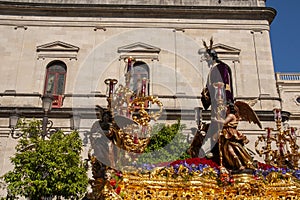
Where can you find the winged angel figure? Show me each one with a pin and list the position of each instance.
(233, 151)
(231, 142)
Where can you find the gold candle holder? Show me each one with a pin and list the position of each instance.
(284, 152)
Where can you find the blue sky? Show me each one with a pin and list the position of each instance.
(285, 34)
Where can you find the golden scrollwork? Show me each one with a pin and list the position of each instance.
(166, 183)
(266, 150)
(127, 139)
(109, 193)
(122, 97)
(132, 143)
(161, 184)
(280, 147)
(143, 118)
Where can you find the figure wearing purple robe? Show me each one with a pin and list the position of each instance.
(219, 72)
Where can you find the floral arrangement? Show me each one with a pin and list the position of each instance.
(264, 170)
(202, 169)
(115, 179)
(185, 169)
(196, 161)
(207, 167)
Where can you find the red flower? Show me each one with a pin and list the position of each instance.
(135, 139)
(118, 190)
(113, 182)
(265, 166)
(256, 178)
(119, 174)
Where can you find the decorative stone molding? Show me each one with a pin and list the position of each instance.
(139, 50)
(186, 11)
(57, 49)
(252, 3)
(224, 52)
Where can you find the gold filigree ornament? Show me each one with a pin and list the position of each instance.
(284, 185)
(109, 193)
(162, 184)
(279, 146)
(122, 99)
(137, 106)
(131, 142)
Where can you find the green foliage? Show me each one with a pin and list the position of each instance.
(167, 144)
(47, 167)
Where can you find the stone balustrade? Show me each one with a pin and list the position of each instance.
(288, 76)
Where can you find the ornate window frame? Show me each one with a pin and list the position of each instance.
(143, 54)
(55, 79)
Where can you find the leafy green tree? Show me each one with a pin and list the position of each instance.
(47, 167)
(167, 144)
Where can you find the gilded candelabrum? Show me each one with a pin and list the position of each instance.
(110, 85)
(129, 110)
(281, 147)
(143, 118)
(129, 65)
(136, 104)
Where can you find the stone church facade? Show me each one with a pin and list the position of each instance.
(70, 47)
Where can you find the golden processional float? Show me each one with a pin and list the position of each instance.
(196, 178)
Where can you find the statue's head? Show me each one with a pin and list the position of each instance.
(232, 108)
(107, 116)
(210, 51)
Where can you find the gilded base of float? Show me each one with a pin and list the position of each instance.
(164, 186)
(146, 187)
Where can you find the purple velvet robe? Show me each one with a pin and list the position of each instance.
(219, 73)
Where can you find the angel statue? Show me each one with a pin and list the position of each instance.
(234, 154)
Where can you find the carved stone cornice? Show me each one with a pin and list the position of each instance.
(137, 11)
(139, 50)
(57, 49)
(224, 52)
